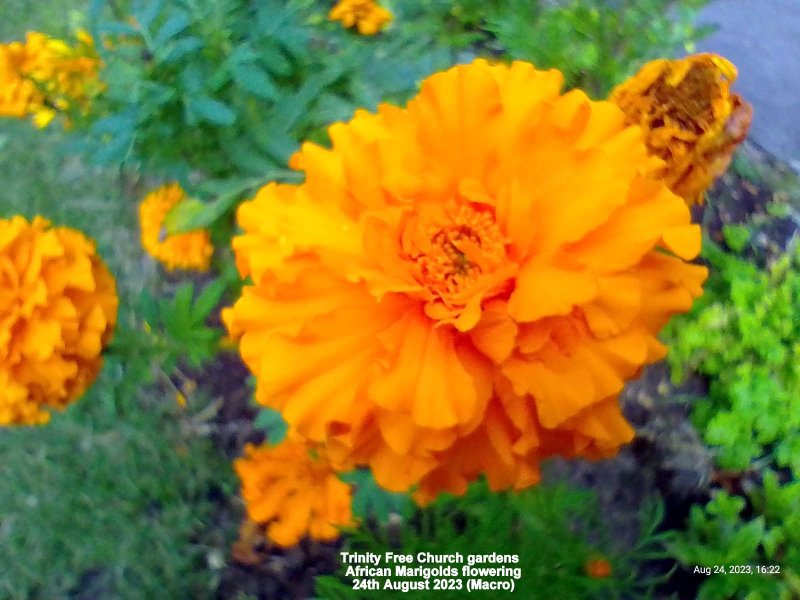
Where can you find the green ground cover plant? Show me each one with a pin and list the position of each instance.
(743, 336)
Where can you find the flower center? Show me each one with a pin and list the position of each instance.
(689, 103)
(451, 254)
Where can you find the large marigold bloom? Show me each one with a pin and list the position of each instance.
(461, 287)
(42, 76)
(691, 119)
(191, 250)
(58, 307)
(367, 16)
(294, 492)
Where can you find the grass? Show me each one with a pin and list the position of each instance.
(95, 506)
(55, 17)
(99, 504)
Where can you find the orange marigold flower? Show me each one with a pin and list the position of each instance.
(598, 568)
(367, 16)
(43, 75)
(691, 119)
(294, 492)
(190, 250)
(462, 287)
(58, 307)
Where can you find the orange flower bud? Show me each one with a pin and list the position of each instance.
(598, 568)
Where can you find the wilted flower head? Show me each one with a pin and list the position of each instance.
(58, 306)
(294, 492)
(462, 287)
(190, 250)
(43, 75)
(366, 15)
(691, 119)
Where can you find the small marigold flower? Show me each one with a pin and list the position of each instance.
(691, 119)
(191, 250)
(58, 307)
(44, 76)
(462, 287)
(598, 568)
(367, 16)
(293, 492)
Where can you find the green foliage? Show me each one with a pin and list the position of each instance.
(272, 423)
(370, 501)
(744, 335)
(230, 88)
(595, 43)
(554, 530)
(721, 534)
(736, 236)
(170, 330)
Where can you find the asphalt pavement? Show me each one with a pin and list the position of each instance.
(762, 38)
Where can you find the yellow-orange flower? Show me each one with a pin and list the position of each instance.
(294, 492)
(58, 307)
(43, 75)
(461, 287)
(691, 119)
(190, 250)
(367, 16)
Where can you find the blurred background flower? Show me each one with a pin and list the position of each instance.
(44, 76)
(192, 250)
(58, 307)
(367, 16)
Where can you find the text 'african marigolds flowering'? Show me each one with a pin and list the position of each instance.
(294, 492)
(462, 287)
(365, 15)
(691, 119)
(43, 76)
(191, 250)
(58, 307)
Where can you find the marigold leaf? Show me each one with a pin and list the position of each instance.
(208, 299)
(171, 27)
(371, 500)
(174, 52)
(212, 111)
(186, 216)
(272, 423)
(255, 80)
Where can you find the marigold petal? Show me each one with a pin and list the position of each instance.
(546, 290)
